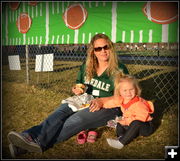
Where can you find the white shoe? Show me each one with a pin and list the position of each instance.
(115, 143)
(15, 151)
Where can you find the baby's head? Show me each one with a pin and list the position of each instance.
(126, 86)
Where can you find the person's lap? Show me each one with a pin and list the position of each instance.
(58, 131)
(83, 120)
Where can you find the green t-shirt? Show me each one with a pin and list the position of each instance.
(99, 86)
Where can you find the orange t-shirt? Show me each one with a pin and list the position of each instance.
(137, 109)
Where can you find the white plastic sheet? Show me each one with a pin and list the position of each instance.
(14, 62)
(44, 63)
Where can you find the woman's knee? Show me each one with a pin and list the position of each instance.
(63, 108)
(74, 121)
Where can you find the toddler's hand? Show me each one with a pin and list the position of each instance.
(117, 119)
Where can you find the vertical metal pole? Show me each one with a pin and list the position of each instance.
(27, 65)
(158, 49)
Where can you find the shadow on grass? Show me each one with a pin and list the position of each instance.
(163, 96)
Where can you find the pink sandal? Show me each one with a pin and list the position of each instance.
(92, 135)
(81, 137)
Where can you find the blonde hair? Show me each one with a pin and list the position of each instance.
(119, 78)
(92, 62)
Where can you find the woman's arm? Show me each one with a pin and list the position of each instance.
(105, 102)
(79, 80)
(76, 91)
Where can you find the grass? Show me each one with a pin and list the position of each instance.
(27, 105)
(32, 105)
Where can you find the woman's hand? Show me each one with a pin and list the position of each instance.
(77, 91)
(95, 105)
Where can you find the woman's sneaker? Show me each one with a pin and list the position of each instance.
(15, 151)
(24, 141)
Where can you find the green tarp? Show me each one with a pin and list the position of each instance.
(121, 21)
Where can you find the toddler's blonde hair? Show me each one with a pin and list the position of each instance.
(119, 78)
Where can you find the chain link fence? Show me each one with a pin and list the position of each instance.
(55, 67)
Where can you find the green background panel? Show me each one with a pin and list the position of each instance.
(129, 17)
(98, 21)
(173, 28)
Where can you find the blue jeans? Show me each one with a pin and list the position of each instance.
(63, 123)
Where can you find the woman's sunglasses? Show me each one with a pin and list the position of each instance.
(100, 48)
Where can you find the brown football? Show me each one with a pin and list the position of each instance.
(14, 5)
(161, 12)
(23, 23)
(75, 16)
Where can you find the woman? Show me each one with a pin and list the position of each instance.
(97, 73)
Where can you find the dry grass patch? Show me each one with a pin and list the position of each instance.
(25, 106)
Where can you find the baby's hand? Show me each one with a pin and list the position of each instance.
(117, 119)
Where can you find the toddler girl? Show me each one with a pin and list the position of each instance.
(136, 119)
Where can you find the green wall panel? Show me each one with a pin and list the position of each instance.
(121, 21)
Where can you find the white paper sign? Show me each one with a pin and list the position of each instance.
(14, 62)
(44, 63)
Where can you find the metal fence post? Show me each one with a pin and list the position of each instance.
(27, 65)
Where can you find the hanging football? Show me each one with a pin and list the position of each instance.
(23, 23)
(75, 16)
(161, 12)
(14, 5)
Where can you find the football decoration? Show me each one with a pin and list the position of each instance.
(33, 3)
(14, 5)
(23, 23)
(75, 16)
(161, 12)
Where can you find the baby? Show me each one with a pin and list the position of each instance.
(136, 112)
(136, 119)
